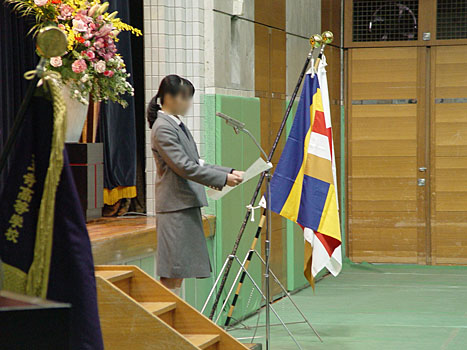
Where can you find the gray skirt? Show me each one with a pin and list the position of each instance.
(181, 245)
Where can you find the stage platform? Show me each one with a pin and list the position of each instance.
(118, 239)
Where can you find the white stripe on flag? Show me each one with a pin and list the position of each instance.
(319, 146)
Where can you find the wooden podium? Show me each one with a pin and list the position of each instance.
(29, 323)
(87, 164)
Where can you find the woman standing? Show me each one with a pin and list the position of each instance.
(180, 180)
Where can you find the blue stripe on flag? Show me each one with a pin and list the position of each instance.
(314, 196)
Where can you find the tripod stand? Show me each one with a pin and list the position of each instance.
(266, 217)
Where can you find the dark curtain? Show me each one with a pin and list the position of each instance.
(117, 127)
(137, 48)
(17, 55)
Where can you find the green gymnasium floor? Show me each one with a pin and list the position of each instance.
(381, 307)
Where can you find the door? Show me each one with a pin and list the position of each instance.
(449, 155)
(386, 148)
(407, 155)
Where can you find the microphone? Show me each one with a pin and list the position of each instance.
(234, 123)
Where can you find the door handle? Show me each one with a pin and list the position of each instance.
(421, 182)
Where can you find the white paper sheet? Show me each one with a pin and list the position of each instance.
(255, 169)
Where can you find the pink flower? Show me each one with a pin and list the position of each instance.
(108, 56)
(41, 2)
(79, 66)
(87, 43)
(109, 73)
(99, 43)
(100, 66)
(91, 55)
(56, 61)
(66, 11)
(105, 30)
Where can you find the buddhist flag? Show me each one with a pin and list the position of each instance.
(304, 187)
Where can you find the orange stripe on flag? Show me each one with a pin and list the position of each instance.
(319, 168)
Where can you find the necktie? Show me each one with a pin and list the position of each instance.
(182, 126)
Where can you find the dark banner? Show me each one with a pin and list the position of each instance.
(117, 125)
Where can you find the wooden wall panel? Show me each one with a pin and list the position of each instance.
(449, 155)
(331, 19)
(270, 13)
(270, 86)
(383, 156)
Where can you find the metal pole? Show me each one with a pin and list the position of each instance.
(260, 182)
(267, 253)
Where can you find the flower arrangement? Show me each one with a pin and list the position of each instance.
(91, 65)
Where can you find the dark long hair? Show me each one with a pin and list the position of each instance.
(173, 85)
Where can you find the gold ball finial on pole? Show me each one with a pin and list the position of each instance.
(328, 37)
(315, 41)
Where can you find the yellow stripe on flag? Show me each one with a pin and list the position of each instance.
(329, 224)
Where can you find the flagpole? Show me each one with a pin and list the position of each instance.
(315, 42)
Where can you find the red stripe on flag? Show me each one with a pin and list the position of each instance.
(319, 127)
(319, 124)
(329, 243)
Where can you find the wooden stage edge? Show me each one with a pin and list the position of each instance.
(118, 239)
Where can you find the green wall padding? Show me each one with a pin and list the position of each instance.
(239, 152)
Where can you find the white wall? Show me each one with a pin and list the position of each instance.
(174, 44)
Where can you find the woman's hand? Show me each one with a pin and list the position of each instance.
(240, 174)
(234, 179)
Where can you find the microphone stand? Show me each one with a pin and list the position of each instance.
(239, 126)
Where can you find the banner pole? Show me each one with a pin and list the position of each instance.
(315, 42)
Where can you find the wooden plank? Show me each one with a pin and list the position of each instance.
(262, 58)
(377, 167)
(384, 237)
(270, 12)
(203, 341)
(331, 19)
(187, 320)
(127, 325)
(270, 85)
(159, 308)
(423, 203)
(278, 62)
(115, 275)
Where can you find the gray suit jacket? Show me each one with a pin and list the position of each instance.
(180, 177)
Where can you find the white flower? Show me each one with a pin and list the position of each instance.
(41, 2)
(56, 61)
(85, 78)
(100, 66)
(79, 26)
